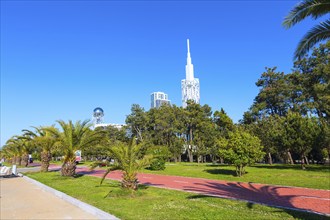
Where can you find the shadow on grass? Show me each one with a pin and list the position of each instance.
(259, 196)
(78, 175)
(221, 171)
(116, 191)
(318, 168)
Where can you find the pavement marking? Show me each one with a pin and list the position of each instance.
(314, 197)
(177, 181)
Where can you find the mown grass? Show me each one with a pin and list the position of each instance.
(315, 176)
(154, 203)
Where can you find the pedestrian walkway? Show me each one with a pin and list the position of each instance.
(303, 199)
(21, 199)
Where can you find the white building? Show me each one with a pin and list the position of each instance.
(97, 119)
(118, 126)
(158, 99)
(190, 85)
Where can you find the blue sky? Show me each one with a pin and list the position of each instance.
(61, 59)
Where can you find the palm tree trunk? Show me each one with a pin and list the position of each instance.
(45, 159)
(19, 160)
(13, 160)
(129, 181)
(68, 168)
(25, 159)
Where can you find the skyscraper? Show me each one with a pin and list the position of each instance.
(158, 99)
(190, 85)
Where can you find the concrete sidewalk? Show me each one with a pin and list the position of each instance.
(22, 199)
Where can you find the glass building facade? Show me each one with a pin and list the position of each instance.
(158, 99)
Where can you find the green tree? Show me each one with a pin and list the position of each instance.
(13, 151)
(137, 121)
(128, 159)
(240, 149)
(325, 134)
(314, 74)
(270, 131)
(194, 116)
(301, 133)
(205, 137)
(160, 155)
(73, 137)
(314, 9)
(45, 142)
(22, 148)
(272, 98)
(164, 128)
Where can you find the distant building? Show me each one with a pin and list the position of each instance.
(190, 85)
(97, 120)
(118, 126)
(158, 99)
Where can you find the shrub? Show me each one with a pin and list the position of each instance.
(160, 155)
(157, 163)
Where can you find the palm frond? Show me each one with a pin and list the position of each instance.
(315, 35)
(313, 8)
(112, 168)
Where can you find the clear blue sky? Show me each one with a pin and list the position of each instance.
(61, 59)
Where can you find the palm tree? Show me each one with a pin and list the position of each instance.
(20, 149)
(314, 9)
(11, 151)
(45, 142)
(128, 159)
(72, 138)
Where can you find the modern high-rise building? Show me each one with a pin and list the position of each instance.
(158, 99)
(190, 85)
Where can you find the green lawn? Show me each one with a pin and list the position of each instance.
(155, 203)
(315, 176)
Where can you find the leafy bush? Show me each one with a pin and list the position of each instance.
(160, 155)
(240, 149)
(157, 163)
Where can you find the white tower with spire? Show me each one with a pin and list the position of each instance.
(190, 85)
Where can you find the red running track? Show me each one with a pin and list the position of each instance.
(303, 199)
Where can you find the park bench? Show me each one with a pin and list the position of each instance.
(8, 171)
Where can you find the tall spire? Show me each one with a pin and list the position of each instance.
(189, 66)
(188, 47)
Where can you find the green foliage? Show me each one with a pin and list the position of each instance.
(314, 9)
(240, 149)
(223, 122)
(157, 163)
(137, 121)
(165, 128)
(74, 136)
(316, 176)
(128, 159)
(306, 90)
(156, 203)
(36, 156)
(160, 155)
(270, 131)
(197, 121)
(300, 134)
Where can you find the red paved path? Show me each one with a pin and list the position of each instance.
(311, 200)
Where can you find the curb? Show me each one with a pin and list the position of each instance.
(84, 206)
